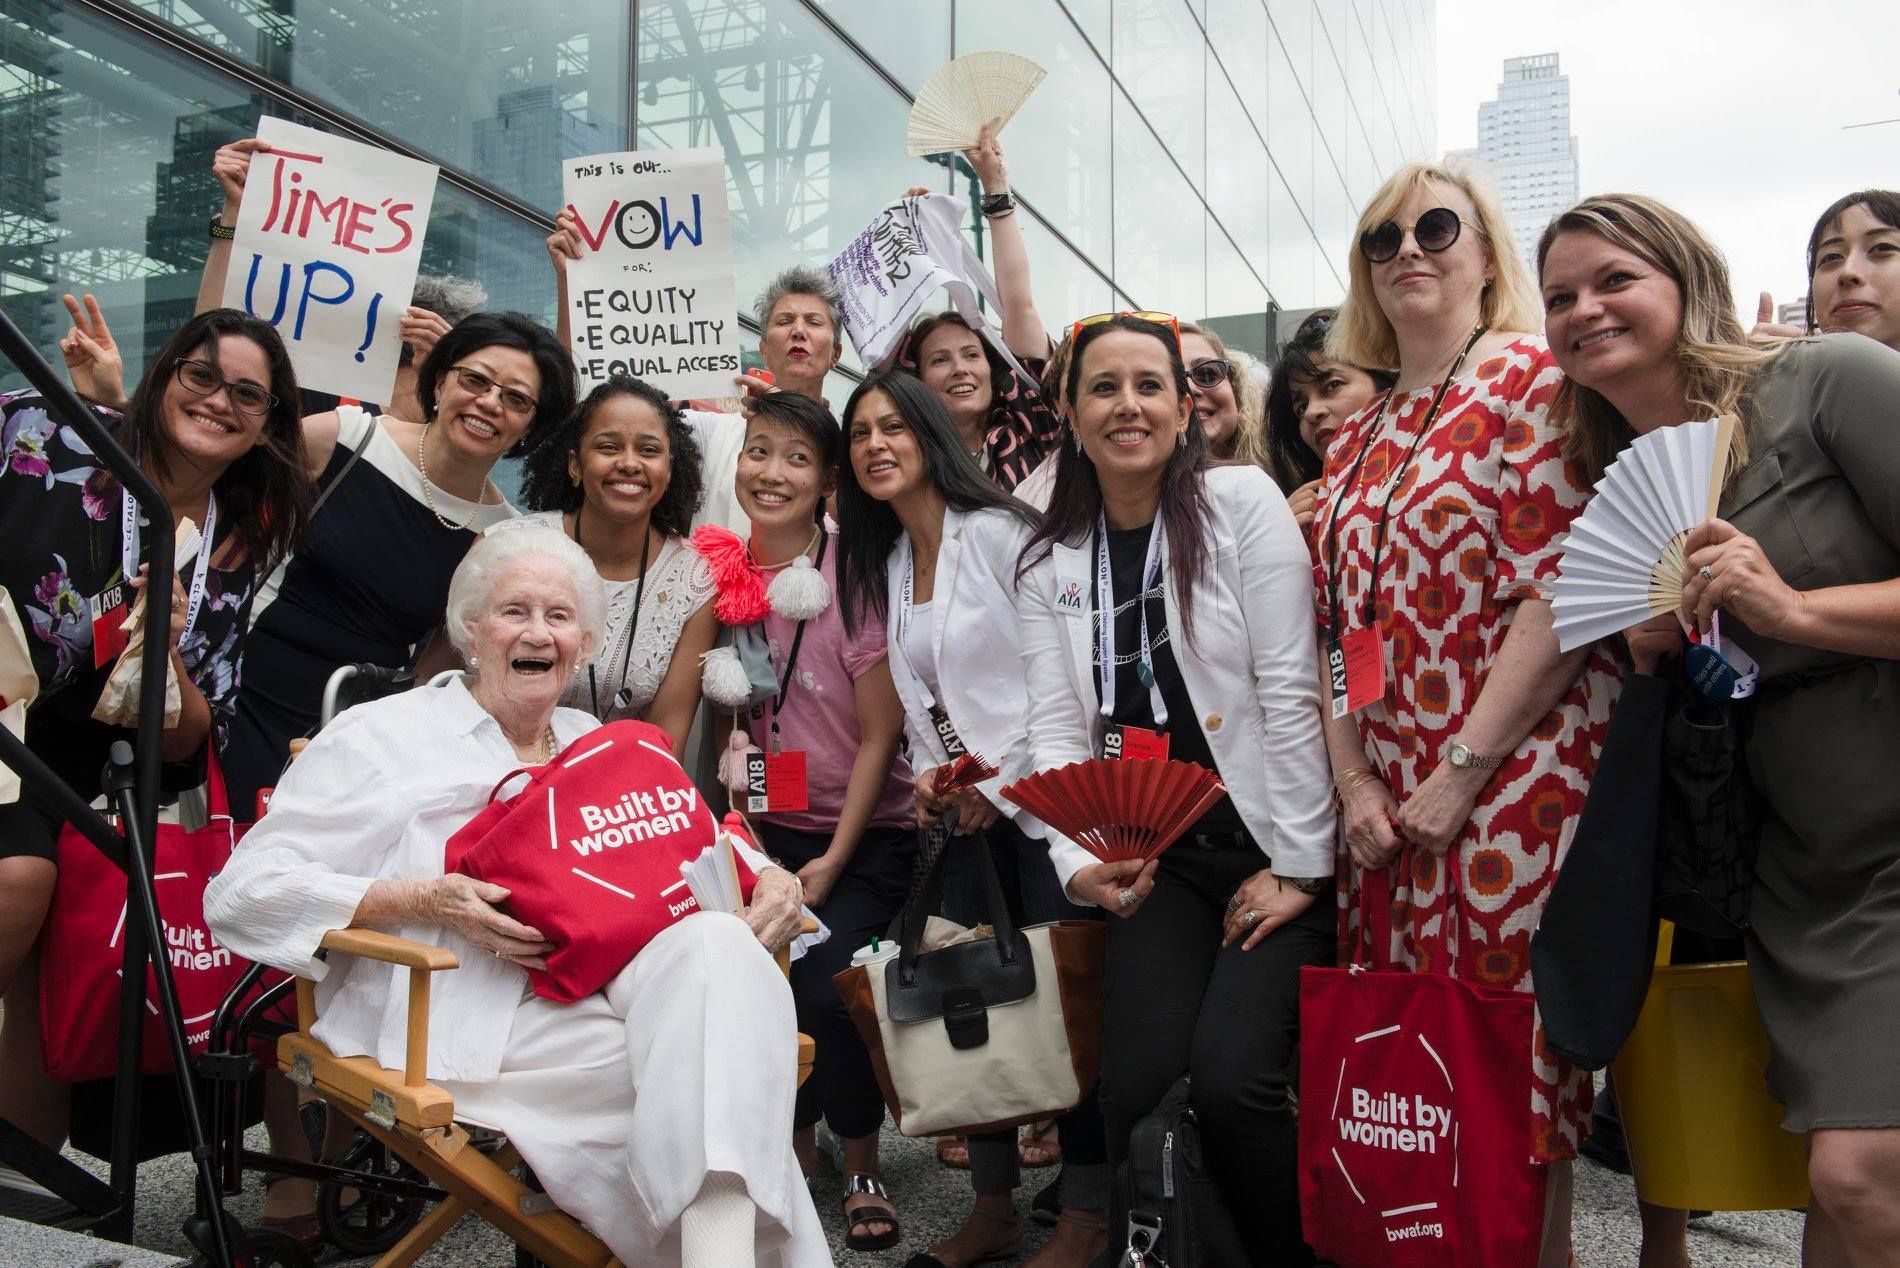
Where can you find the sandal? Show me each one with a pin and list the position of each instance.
(1000, 1254)
(1096, 1227)
(1039, 1146)
(954, 1151)
(856, 1184)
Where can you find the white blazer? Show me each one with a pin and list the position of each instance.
(976, 638)
(1250, 669)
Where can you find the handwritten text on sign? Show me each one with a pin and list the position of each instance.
(652, 294)
(329, 237)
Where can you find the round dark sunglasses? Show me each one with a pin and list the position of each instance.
(1433, 231)
(1210, 373)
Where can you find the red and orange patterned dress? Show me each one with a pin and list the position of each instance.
(1473, 530)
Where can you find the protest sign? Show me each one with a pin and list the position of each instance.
(329, 237)
(911, 250)
(652, 294)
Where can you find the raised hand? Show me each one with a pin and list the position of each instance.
(93, 361)
(564, 243)
(986, 157)
(232, 166)
(422, 330)
(1766, 327)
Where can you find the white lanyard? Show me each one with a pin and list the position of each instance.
(1105, 618)
(129, 551)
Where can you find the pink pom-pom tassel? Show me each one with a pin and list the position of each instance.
(741, 586)
(732, 761)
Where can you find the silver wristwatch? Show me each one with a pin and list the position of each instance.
(1464, 759)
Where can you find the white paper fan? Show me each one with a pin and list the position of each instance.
(965, 94)
(1623, 561)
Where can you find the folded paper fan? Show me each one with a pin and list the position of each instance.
(967, 771)
(1119, 809)
(954, 104)
(1623, 561)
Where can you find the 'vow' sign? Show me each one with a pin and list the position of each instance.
(652, 294)
(329, 237)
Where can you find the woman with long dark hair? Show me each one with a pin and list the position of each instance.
(622, 478)
(1854, 267)
(928, 546)
(1193, 641)
(1309, 398)
(214, 424)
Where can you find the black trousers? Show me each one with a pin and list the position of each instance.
(1176, 1002)
(842, 1088)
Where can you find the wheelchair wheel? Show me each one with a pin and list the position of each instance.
(360, 1222)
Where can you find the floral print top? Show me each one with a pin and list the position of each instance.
(59, 518)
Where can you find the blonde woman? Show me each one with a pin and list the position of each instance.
(1436, 528)
(1229, 400)
(1804, 563)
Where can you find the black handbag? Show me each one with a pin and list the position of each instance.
(1710, 823)
(1176, 1215)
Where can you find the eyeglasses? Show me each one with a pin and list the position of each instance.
(1210, 373)
(203, 378)
(1433, 231)
(1160, 319)
(475, 383)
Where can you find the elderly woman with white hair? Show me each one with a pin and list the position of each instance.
(659, 1109)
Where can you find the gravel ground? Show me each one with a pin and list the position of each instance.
(931, 1200)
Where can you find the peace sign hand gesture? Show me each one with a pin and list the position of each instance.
(93, 361)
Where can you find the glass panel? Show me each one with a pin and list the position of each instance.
(1091, 15)
(1333, 221)
(1159, 222)
(1326, 90)
(1159, 60)
(493, 87)
(910, 42)
(1291, 273)
(1232, 288)
(1057, 148)
(1237, 173)
(1290, 125)
(1293, 21)
(765, 82)
(1237, 32)
(1065, 287)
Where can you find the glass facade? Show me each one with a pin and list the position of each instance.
(1200, 156)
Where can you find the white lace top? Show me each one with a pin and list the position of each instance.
(678, 584)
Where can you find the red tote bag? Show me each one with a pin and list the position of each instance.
(1415, 1134)
(590, 852)
(83, 949)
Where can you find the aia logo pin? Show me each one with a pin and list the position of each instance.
(1069, 596)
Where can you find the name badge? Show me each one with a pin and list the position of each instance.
(108, 614)
(946, 731)
(775, 782)
(1134, 744)
(1355, 669)
(1070, 599)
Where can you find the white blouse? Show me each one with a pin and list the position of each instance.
(678, 585)
(378, 794)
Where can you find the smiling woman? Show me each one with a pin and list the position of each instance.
(400, 502)
(1854, 266)
(622, 478)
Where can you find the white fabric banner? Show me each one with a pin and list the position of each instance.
(911, 250)
(329, 237)
(653, 294)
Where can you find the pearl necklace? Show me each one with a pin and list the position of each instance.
(428, 497)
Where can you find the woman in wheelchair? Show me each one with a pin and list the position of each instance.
(658, 1110)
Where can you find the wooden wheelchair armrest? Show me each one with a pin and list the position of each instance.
(372, 944)
(419, 958)
(808, 925)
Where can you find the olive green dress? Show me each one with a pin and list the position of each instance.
(1822, 496)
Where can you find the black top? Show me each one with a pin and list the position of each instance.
(1127, 555)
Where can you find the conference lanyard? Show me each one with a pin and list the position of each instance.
(1393, 480)
(791, 657)
(129, 551)
(1105, 619)
(939, 716)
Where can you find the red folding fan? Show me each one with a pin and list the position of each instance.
(966, 772)
(1119, 809)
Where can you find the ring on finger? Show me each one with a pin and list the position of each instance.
(1126, 898)
(1251, 919)
(1233, 904)
(1706, 573)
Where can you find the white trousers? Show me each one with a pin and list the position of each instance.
(686, 1063)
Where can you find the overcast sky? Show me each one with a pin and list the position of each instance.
(1730, 112)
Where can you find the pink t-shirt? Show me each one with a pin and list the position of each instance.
(821, 713)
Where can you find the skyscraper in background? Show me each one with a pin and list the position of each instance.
(1524, 138)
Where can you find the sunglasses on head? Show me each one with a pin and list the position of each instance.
(1160, 319)
(1433, 231)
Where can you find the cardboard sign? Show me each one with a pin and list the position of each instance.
(652, 294)
(329, 237)
(909, 252)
